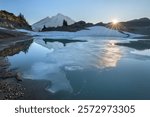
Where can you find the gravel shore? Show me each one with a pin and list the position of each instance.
(10, 86)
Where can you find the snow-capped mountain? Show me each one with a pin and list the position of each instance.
(52, 22)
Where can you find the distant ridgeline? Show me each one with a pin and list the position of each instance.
(139, 26)
(77, 26)
(9, 20)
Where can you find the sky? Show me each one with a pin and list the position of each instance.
(88, 10)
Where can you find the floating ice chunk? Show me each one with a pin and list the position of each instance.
(63, 86)
(52, 73)
(73, 68)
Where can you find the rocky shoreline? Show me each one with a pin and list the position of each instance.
(10, 89)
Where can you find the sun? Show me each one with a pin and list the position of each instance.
(115, 21)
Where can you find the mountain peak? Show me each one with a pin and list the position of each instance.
(53, 21)
(47, 17)
(59, 14)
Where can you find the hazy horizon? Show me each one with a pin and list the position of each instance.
(93, 11)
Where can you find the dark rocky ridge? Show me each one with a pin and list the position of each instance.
(9, 20)
(70, 28)
(77, 26)
(139, 26)
(137, 22)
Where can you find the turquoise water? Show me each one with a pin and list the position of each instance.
(93, 69)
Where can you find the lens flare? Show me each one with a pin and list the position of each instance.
(115, 21)
(116, 25)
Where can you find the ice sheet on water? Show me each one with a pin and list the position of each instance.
(50, 72)
(2, 28)
(142, 52)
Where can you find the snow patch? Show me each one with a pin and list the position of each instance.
(95, 31)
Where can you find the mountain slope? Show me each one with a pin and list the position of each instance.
(139, 26)
(9, 20)
(142, 22)
(52, 22)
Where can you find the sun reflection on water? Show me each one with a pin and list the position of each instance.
(111, 55)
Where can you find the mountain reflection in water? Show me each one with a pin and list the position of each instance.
(16, 48)
(63, 41)
(97, 54)
(82, 69)
(5, 71)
